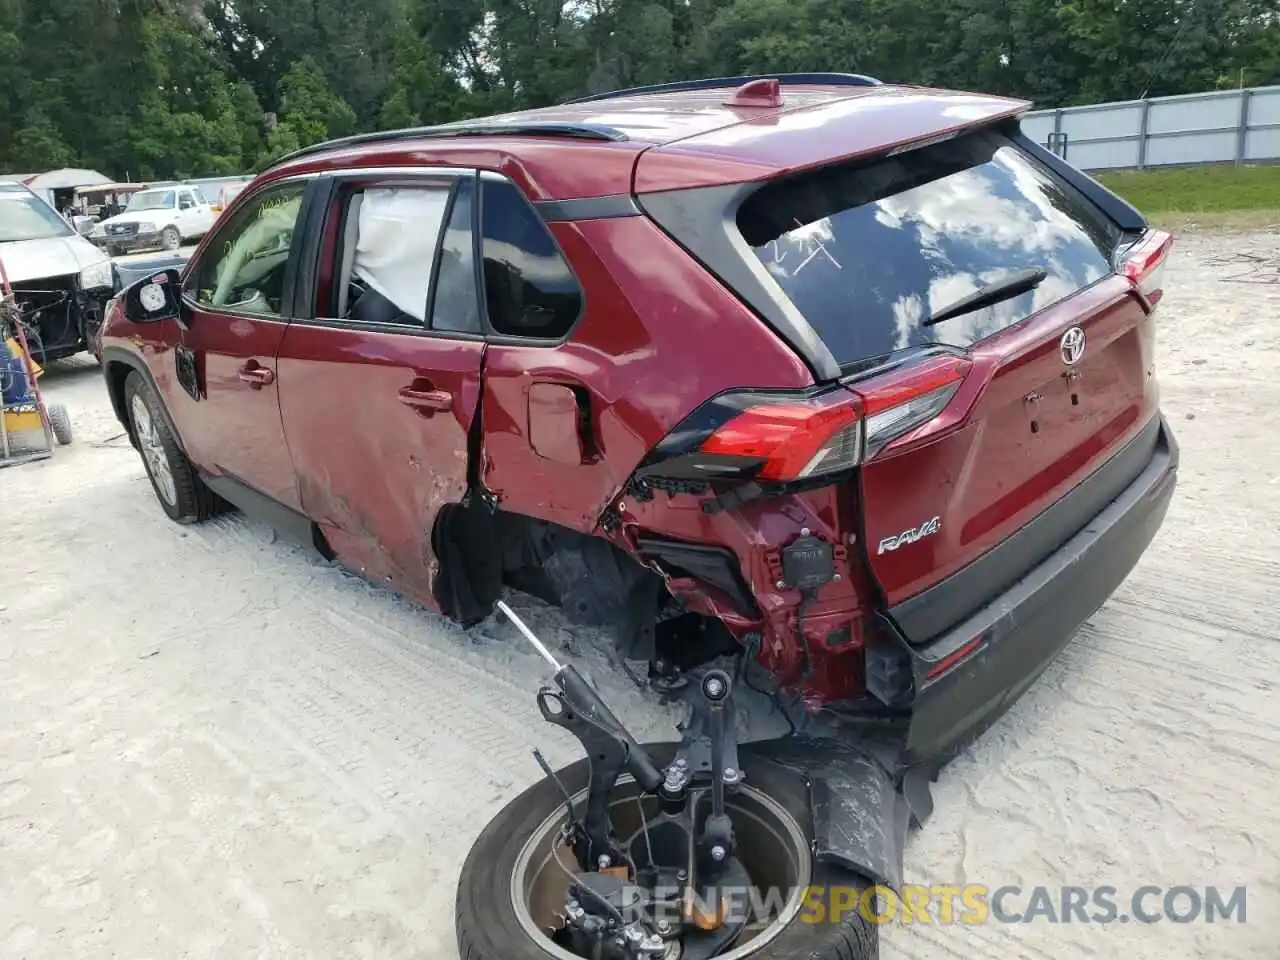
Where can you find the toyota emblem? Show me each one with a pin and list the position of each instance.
(1072, 346)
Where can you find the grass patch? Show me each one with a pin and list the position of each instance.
(1199, 190)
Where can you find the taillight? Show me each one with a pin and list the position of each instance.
(785, 438)
(793, 440)
(1144, 264)
(897, 403)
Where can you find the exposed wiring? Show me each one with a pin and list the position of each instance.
(744, 674)
(568, 800)
(806, 597)
(644, 825)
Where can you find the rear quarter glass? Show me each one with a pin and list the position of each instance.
(867, 251)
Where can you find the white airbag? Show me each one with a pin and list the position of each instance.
(399, 228)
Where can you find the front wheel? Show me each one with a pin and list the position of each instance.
(170, 238)
(512, 891)
(181, 493)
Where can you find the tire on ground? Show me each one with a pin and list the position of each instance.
(195, 501)
(60, 422)
(488, 929)
(170, 238)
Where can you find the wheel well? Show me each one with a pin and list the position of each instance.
(481, 551)
(116, 373)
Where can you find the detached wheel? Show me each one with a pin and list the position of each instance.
(170, 238)
(180, 491)
(60, 421)
(512, 888)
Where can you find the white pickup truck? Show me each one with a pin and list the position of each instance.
(163, 217)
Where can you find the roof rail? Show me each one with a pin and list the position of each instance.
(717, 83)
(465, 128)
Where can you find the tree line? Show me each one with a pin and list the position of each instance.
(149, 89)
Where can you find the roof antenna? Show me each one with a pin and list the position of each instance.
(764, 92)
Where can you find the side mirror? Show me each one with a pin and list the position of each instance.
(154, 298)
(83, 225)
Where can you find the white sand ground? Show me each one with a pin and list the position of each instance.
(211, 747)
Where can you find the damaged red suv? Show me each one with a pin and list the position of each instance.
(852, 380)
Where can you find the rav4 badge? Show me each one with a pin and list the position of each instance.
(926, 529)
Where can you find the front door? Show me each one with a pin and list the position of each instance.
(224, 392)
(379, 389)
(188, 213)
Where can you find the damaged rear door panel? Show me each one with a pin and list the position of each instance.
(380, 390)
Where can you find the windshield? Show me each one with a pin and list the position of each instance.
(869, 252)
(24, 217)
(150, 200)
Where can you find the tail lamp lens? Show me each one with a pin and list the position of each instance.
(902, 401)
(795, 440)
(1144, 264)
(805, 438)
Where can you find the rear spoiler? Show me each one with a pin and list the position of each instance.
(1125, 214)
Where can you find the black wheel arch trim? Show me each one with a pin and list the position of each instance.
(119, 355)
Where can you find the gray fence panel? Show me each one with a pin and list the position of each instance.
(1038, 127)
(1219, 126)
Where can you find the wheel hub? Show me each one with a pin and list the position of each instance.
(689, 862)
(154, 456)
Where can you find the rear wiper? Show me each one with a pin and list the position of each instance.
(997, 291)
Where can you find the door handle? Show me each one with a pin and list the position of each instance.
(425, 399)
(256, 375)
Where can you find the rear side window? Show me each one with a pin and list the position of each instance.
(868, 252)
(388, 246)
(455, 306)
(529, 289)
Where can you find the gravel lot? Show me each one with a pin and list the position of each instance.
(213, 747)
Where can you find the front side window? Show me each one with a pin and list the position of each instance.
(529, 289)
(243, 268)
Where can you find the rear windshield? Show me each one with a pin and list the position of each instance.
(867, 252)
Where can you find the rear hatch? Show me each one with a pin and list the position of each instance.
(990, 321)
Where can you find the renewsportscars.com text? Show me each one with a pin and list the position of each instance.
(976, 904)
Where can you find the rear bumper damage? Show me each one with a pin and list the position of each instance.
(864, 790)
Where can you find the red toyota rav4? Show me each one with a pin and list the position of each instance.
(852, 380)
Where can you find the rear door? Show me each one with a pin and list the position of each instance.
(1056, 379)
(381, 384)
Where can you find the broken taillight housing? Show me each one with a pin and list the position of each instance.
(782, 438)
(1144, 264)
